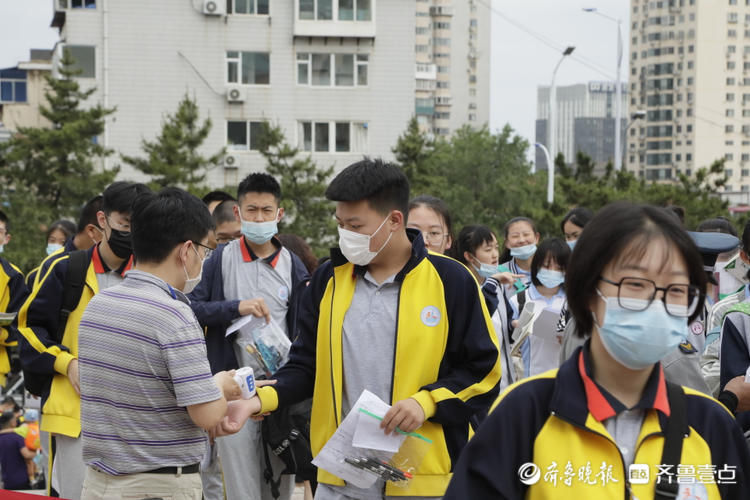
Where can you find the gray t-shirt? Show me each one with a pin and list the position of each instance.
(369, 342)
(245, 278)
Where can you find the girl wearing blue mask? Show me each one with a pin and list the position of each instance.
(573, 223)
(540, 344)
(636, 282)
(521, 239)
(58, 234)
(477, 249)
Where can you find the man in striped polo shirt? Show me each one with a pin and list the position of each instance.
(147, 392)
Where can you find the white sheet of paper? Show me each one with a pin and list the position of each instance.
(245, 320)
(368, 434)
(545, 326)
(340, 445)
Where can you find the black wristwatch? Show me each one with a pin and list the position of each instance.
(729, 399)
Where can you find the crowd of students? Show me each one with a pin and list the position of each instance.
(536, 368)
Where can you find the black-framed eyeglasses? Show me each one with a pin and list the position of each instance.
(208, 251)
(636, 294)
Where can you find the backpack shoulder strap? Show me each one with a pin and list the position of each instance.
(75, 277)
(676, 429)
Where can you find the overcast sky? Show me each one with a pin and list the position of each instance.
(520, 61)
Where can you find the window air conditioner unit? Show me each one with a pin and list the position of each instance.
(231, 161)
(236, 94)
(214, 7)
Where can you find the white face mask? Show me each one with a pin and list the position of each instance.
(356, 246)
(191, 283)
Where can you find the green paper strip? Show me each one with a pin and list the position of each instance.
(412, 434)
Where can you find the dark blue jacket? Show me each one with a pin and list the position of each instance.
(216, 313)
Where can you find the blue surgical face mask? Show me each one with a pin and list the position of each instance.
(260, 232)
(53, 247)
(572, 244)
(549, 278)
(523, 253)
(485, 270)
(638, 339)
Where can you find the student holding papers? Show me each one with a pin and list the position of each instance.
(537, 340)
(386, 316)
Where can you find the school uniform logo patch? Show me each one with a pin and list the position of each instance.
(697, 328)
(430, 316)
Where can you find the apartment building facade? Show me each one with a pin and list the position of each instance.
(337, 75)
(585, 116)
(690, 71)
(453, 50)
(22, 91)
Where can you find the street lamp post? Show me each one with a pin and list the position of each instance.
(618, 86)
(553, 106)
(550, 173)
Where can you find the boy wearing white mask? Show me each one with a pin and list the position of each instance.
(387, 316)
(254, 275)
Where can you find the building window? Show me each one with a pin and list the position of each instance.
(730, 97)
(78, 4)
(348, 8)
(321, 10)
(248, 68)
(348, 70)
(731, 64)
(328, 10)
(243, 135)
(259, 7)
(728, 128)
(729, 157)
(85, 59)
(729, 113)
(12, 85)
(732, 17)
(332, 137)
(731, 81)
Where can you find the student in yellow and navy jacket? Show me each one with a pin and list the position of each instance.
(387, 316)
(49, 356)
(13, 292)
(88, 234)
(635, 280)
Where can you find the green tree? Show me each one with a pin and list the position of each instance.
(303, 185)
(173, 158)
(48, 173)
(412, 152)
(484, 177)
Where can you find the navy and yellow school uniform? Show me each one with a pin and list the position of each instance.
(44, 352)
(35, 275)
(13, 292)
(557, 418)
(446, 357)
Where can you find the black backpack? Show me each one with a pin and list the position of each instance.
(286, 433)
(38, 384)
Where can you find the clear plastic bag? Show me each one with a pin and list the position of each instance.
(263, 347)
(272, 345)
